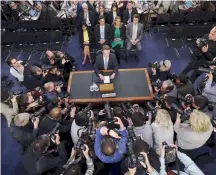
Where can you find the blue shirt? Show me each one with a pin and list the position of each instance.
(120, 150)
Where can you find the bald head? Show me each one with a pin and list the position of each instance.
(212, 34)
(49, 53)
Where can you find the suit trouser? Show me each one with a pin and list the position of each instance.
(129, 46)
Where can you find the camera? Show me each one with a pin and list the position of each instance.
(128, 108)
(45, 67)
(12, 94)
(38, 113)
(133, 159)
(90, 129)
(154, 65)
(161, 98)
(202, 42)
(211, 63)
(131, 134)
(108, 110)
(80, 145)
(59, 83)
(157, 84)
(185, 114)
(170, 154)
(54, 131)
(188, 99)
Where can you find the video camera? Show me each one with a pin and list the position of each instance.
(80, 145)
(185, 114)
(54, 131)
(38, 113)
(154, 65)
(133, 159)
(170, 154)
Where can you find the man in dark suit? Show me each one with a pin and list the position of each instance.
(87, 16)
(106, 61)
(129, 13)
(102, 33)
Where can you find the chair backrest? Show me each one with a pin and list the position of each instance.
(192, 17)
(206, 16)
(56, 36)
(177, 17)
(163, 18)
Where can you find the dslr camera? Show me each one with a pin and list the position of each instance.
(154, 65)
(157, 84)
(12, 94)
(202, 42)
(80, 145)
(170, 153)
(128, 108)
(38, 113)
(54, 131)
(184, 114)
(131, 135)
(188, 99)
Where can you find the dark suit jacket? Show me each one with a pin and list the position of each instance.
(112, 64)
(90, 7)
(97, 33)
(105, 16)
(186, 89)
(91, 17)
(122, 32)
(126, 15)
(90, 34)
(110, 17)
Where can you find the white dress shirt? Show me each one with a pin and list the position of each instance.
(102, 32)
(18, 73)
(86, 16)
(134, 35)
(114, 15)
(106, 62)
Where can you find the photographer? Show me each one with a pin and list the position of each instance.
(162, 124)
(196, 133)
(50, 120)
(52, 91)
(23, 129)
(190, 167)
(44, 155)
(6, 110)
(79, 124)
(73, 167)
(160, 71)
(142, 127)
(38, 75)
(109, 146)
(184, 85)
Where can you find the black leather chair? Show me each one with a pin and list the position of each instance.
(43, 39)
(176, 18)
(192, 17)
(162, 22)
(57, 40)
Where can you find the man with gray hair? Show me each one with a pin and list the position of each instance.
(24, 129)
(87, 16)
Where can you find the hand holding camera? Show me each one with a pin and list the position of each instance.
(205, 49)
(86, 151)
(57, 139)
(14, 99)
(119, 122)
(36, 122)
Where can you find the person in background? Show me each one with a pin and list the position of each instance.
(193, 135)
(129, 13)
(102, 33)
(102, 13)
(16, 68)
(86, 40)
(117, 37)
(87, 16)
(162, 124)
(113, 13)
(52, 12)
(14, 11)
(163, 6)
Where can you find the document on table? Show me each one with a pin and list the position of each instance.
(106, 79)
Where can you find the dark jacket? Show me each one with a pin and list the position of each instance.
(91, 17)
(186, 89)
(51, 13)
(90, 34)
(37, 164)
(161, 75)
(90, 7)
(47, 124)
(24, 135)
(112, 64)
(122, 32)
(97, 33)
(126, 15)
(110, 19)
(105, 15)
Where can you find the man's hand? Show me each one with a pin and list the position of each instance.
(210, 76)
(57, 140)
(132, 171)
(58, 88)
(101, 112)
(156, 89)
(119, 122)
(86, 152)
(134, 42)
(101, 77)
(34, 104)
(63, 61)
(14, 99)
(92, 115)
(154, 71)
(205, 49)
(44, 73)
(112, 76)
(36, 122)
(114, 134)
(73, 111)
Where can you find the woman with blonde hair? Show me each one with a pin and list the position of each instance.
(162, 129)
(196, 133)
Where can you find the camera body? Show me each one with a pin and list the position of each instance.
(54, 131)
(154, 65)
(80, 145)
(46, 68)
(202, 42)
(157, 84)
(38, 113)
(185, 114)
(170, 153)
(187, 99)
(131, 134)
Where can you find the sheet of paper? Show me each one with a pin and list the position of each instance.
(106, 79)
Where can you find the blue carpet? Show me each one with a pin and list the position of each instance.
(154, 49)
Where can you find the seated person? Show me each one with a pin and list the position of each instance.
(42, 9)
(87, 16)
(52, 12)
(14, 11)
(184, 85)
(24, 6)
(102, 13)
(129, 13)
(86, 40)
(102, 33)
(106, 61)
(134, 33)
(16, 68)
(24, 129)
(113, 13)
(162, 71)
(193, 135)
(117, 36)
(142, 127)
(109, 147)
(39, 158)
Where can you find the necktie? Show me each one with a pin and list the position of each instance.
(106, 64)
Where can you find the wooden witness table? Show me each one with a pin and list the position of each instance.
(129, 85)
